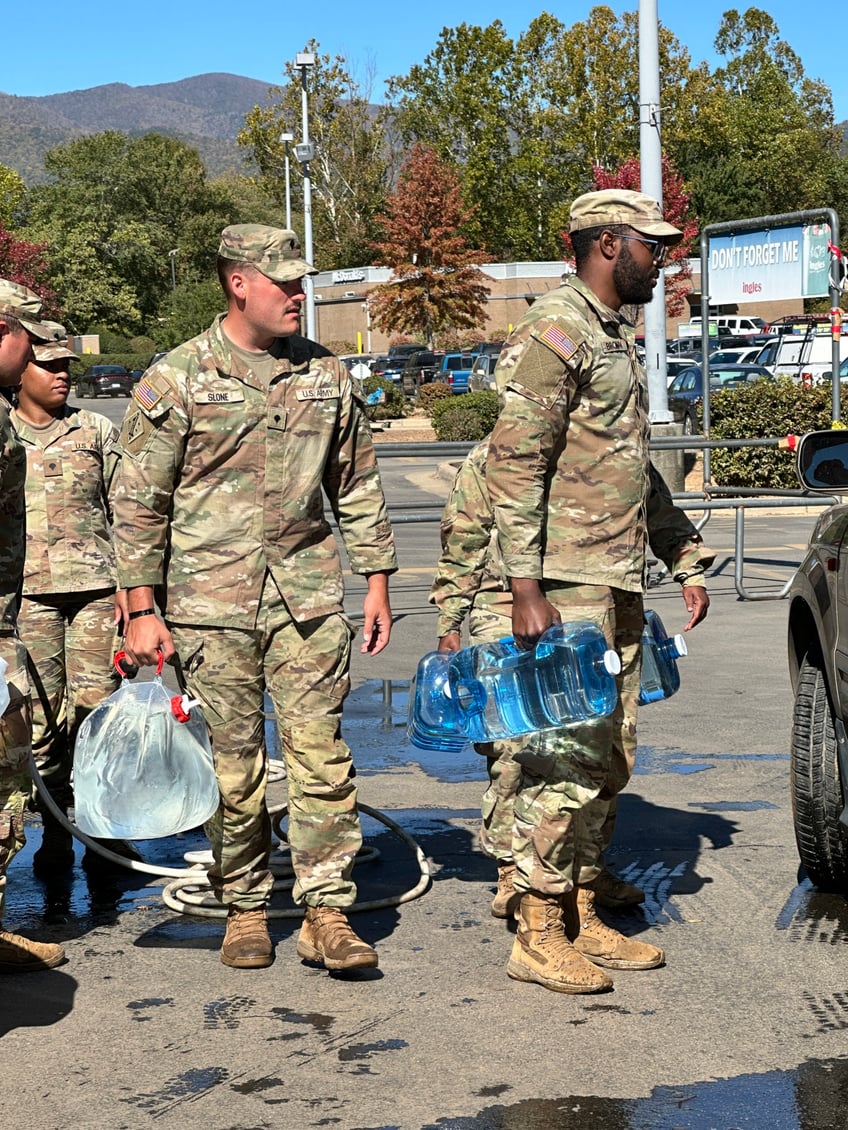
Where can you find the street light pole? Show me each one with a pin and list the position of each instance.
(305, 61)
(172, 256)
(286, 138)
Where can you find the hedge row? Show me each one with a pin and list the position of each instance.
(128, 360)
(766, 408)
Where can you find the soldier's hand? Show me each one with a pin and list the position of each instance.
(532, 612)
(378, 615)
(697, 602)
(145, 638)
(450, 641)
(121, 609)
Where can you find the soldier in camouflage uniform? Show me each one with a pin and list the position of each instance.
(470, 583)
(20, 310)
(567, 474)
(69, 612)
(226, 449)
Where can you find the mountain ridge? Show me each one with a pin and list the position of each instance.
(206, 111)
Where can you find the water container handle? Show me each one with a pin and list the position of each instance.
(129, 670)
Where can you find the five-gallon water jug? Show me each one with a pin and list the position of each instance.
(502, 692)
(660, 677)
(434, 719)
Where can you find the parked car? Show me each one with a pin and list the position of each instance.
(486, 347)
(357, 364)
(687, 389)
(482, 377)
(455, 370)
(738, 355)
(676, 365)
(818, 664)
(388, 367)
(807, 357)
(843, 372)
(105, 380)
(419, 369)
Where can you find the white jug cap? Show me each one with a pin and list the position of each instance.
(612, 662)
(680, 644)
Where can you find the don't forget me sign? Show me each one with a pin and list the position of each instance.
(791, 262)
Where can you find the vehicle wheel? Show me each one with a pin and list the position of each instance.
(688, 426)
(817, 798)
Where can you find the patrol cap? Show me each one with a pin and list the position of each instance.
(274, 252)
(23, 304)
(55, 348)
(621, 206)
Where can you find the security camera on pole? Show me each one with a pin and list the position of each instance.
(305, 152)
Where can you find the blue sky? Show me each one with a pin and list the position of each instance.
(71, 47)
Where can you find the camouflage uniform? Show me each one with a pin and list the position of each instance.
(218, 504)
(470, 582)
(15, 724)
(568, 477)
(66, 618)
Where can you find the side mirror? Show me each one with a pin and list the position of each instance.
(822, 460)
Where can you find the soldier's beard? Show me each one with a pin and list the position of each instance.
(633, 284)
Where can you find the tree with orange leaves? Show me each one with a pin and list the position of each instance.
(436, 283)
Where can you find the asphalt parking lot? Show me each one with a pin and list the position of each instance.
(743, 1027)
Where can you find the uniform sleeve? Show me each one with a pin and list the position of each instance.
(109, 453)
(353, 487)
(150, 449)
(466, 532)
(536, 377)
(671, 534)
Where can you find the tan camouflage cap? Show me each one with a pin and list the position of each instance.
(55, 348)
(622, 206)
(275, 252)
(23, 304)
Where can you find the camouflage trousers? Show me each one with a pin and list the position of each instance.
(305, 668)
(71, 639)
(569, 778)
(14, 757)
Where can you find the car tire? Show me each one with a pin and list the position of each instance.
(816, 787)
(688, 425)
(92, 392)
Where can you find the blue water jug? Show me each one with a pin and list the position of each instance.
(434, 720)
(502, 692)
(660, 652)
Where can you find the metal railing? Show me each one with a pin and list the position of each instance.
(710, 499)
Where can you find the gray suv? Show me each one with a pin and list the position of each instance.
(818, 663)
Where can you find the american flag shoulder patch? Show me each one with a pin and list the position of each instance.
(146, 394)
(559, 342)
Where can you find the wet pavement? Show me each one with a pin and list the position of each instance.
(744, 1027)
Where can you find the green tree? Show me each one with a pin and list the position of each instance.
(12, 192)
(774, 147)
(437, 283)
(349, 173)
(115, 209)
(187, 311)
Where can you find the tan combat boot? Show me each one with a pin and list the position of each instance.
(543, 954)
(613, 892)
(605, 946)
(327, 937)
(247, 944)
(20, 955)
(506, 899)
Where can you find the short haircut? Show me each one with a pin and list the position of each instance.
(14, 326)
(227, 268)
(581, 241)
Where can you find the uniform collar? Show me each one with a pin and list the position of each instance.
(67, 422)
(604, 312)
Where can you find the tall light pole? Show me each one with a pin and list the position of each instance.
(286, 139)
(305, 151)
(172, 254)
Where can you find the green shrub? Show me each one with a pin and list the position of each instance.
(128, 360)
(430, 395)
(465, 418)
(764, 409)
(394, 403)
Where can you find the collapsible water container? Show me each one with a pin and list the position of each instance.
(660, 652)
(434, 720)
(501, 692)
(4, 687)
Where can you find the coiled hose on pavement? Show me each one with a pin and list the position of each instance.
(188, 893)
